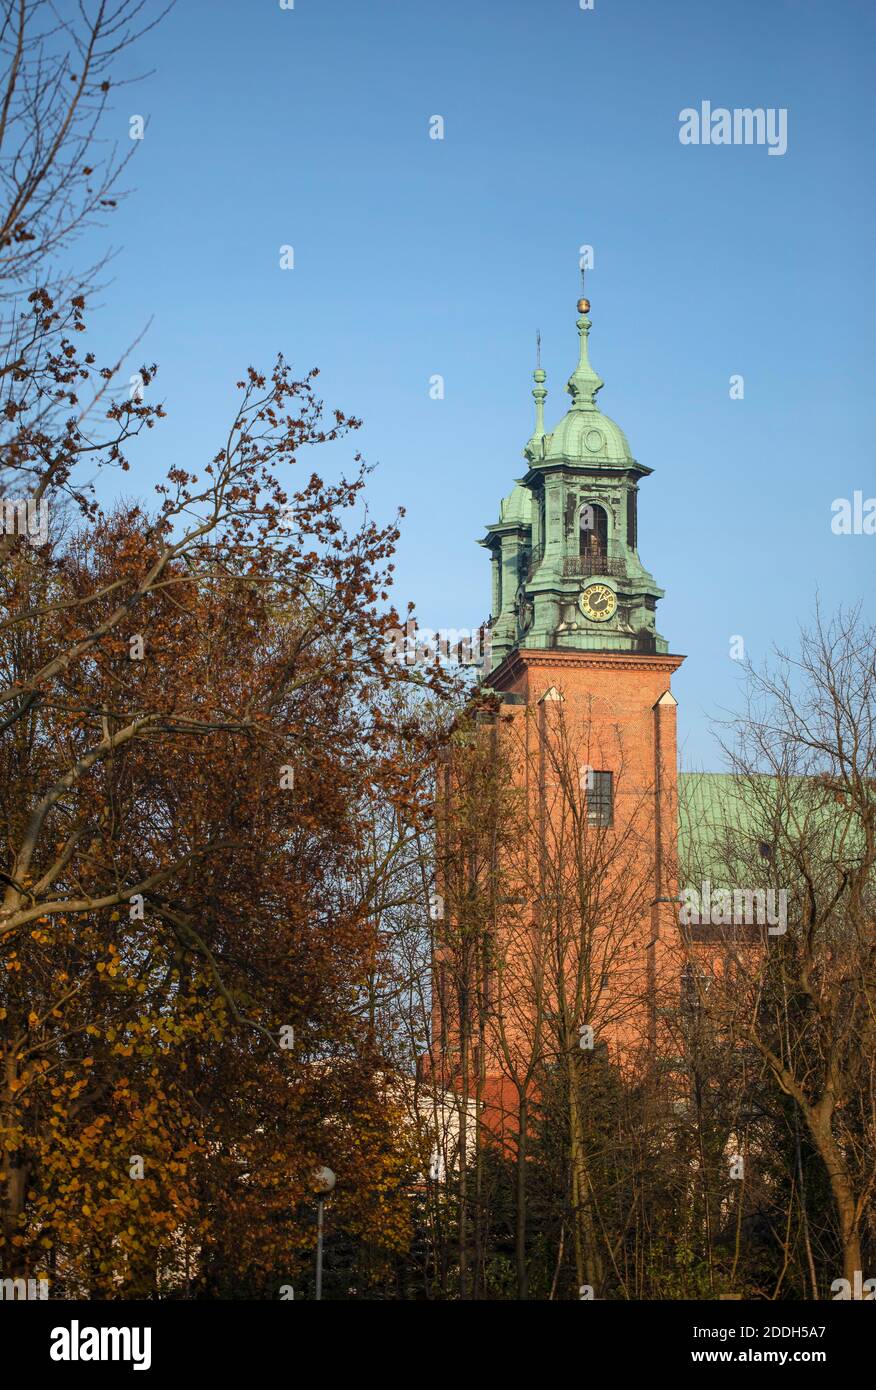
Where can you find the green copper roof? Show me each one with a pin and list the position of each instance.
(725, 820)
(713, 815)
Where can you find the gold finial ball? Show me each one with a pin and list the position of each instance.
(583, 306)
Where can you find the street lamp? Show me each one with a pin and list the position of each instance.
(324, 1181)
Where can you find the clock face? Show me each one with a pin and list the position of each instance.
(598, 603)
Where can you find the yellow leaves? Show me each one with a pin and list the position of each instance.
(33, 1019)
(2, 1013)
(115, 917)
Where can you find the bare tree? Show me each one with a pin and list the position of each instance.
(798, 818)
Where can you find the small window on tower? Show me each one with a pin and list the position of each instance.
(632, 519)
(600, 799)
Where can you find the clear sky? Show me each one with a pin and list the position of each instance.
(309, 127)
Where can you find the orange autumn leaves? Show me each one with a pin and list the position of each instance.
(169, 906)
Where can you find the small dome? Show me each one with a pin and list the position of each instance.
(590, 436)
(517, 506)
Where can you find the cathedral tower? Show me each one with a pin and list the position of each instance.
(582, 677)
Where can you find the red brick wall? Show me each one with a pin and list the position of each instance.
(615, 721)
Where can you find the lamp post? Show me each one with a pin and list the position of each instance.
(324, 1182)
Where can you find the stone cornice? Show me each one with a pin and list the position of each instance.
(518, 661)
(560, 463)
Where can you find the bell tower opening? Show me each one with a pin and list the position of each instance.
(593, 532)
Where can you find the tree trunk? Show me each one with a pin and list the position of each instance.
(520, 1214)
(842, 1190)
(589, 1259)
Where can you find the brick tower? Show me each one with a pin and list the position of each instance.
(582, 704)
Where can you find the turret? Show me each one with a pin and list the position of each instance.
(566, 567)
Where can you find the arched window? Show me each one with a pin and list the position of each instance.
(593, 531)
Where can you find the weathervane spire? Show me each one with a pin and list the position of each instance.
(584, 382)
(539, 391)
(583, 301)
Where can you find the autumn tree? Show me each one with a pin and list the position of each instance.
(189, 696)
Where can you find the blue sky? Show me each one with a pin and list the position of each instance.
(310, 127)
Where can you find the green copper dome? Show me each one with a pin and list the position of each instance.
(588, 436)
(516, 507)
